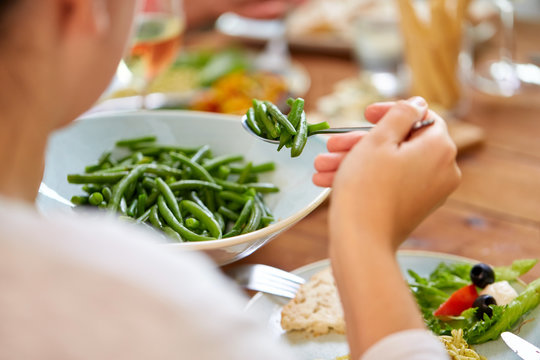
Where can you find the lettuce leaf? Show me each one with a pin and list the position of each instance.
(430, 292)
(525, 302)
(512, 272)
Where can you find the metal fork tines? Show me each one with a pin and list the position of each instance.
(266, 279)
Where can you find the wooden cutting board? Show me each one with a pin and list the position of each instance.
(466, 136)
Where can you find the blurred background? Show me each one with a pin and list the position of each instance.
(440, 49)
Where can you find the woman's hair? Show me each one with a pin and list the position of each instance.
(4, 6)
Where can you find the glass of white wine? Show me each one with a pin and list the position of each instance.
(156, 39)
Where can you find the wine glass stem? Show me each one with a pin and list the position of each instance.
(144, 93)
(506, 9)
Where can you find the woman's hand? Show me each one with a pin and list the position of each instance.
(385, 180)
(384, 183)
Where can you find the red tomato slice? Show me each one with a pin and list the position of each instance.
(459, 301)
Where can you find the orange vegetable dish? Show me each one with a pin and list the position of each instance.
(233, 93)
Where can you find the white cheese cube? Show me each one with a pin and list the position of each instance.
(502, 292)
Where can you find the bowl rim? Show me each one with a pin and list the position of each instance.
(272, 229)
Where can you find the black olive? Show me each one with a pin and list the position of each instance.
(482, 304)
(482, 275)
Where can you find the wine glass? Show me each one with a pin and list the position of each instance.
(156, 39)
(499, 76)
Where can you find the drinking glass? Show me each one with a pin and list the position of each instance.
(378, 47)
(156, 39)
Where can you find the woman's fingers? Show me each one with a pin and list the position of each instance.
(439, 122)
(376, 111)
(324, 179)
(328, 162)
(396, 124)
(344, 142)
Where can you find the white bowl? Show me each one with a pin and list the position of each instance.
(81, 144)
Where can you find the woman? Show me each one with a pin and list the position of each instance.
(89, 288)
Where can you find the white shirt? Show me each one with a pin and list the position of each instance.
(74, 288)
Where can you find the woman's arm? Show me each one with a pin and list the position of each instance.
(384, 184)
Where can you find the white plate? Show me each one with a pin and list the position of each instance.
(72, 148)
(329, 347)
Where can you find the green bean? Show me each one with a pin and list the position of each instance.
(221, 160)
(168, 195)
(107, 193)
(252, 123)
(228, 213)
(297, 107)
(172, 234)
(266, 210)
(140, 189)
(266, 220)
(234, 206)
(195, 198)
(220, 220)
(210, 199)
(120, 188)
(299, 141)
(169, 218)
(194, 185)
(154, 217)
(96, 178)
(192, 223)
(200, 154)
(152, 197)
(254, 219)
(245, 173)
(252, 178)
(144, 216)
(145, 160)
(155, 150)
(149, 183)
(223, 172)
(135, 141)
(231, 233)
(101, 161)
(163, 170)
(232, 196)
(123, 206)
(280, 118)
(115, 169)
(137, 157)
(290, 101)
(229, 185)
(263, 187)
(141, 201)
(95, 198)
(132, 209)
(130, 190)
(197, 169)
(260, 115)
(244, 215)
(79, 200)
(264, 167)
(317, 127)
(90, 188)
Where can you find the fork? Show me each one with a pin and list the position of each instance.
(266, 279)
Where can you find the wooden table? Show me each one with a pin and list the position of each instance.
(494, 216)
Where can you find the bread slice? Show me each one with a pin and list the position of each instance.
(316, 308)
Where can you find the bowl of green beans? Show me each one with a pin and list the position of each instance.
(197, 179)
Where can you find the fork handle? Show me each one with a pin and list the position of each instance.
(343, 129)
